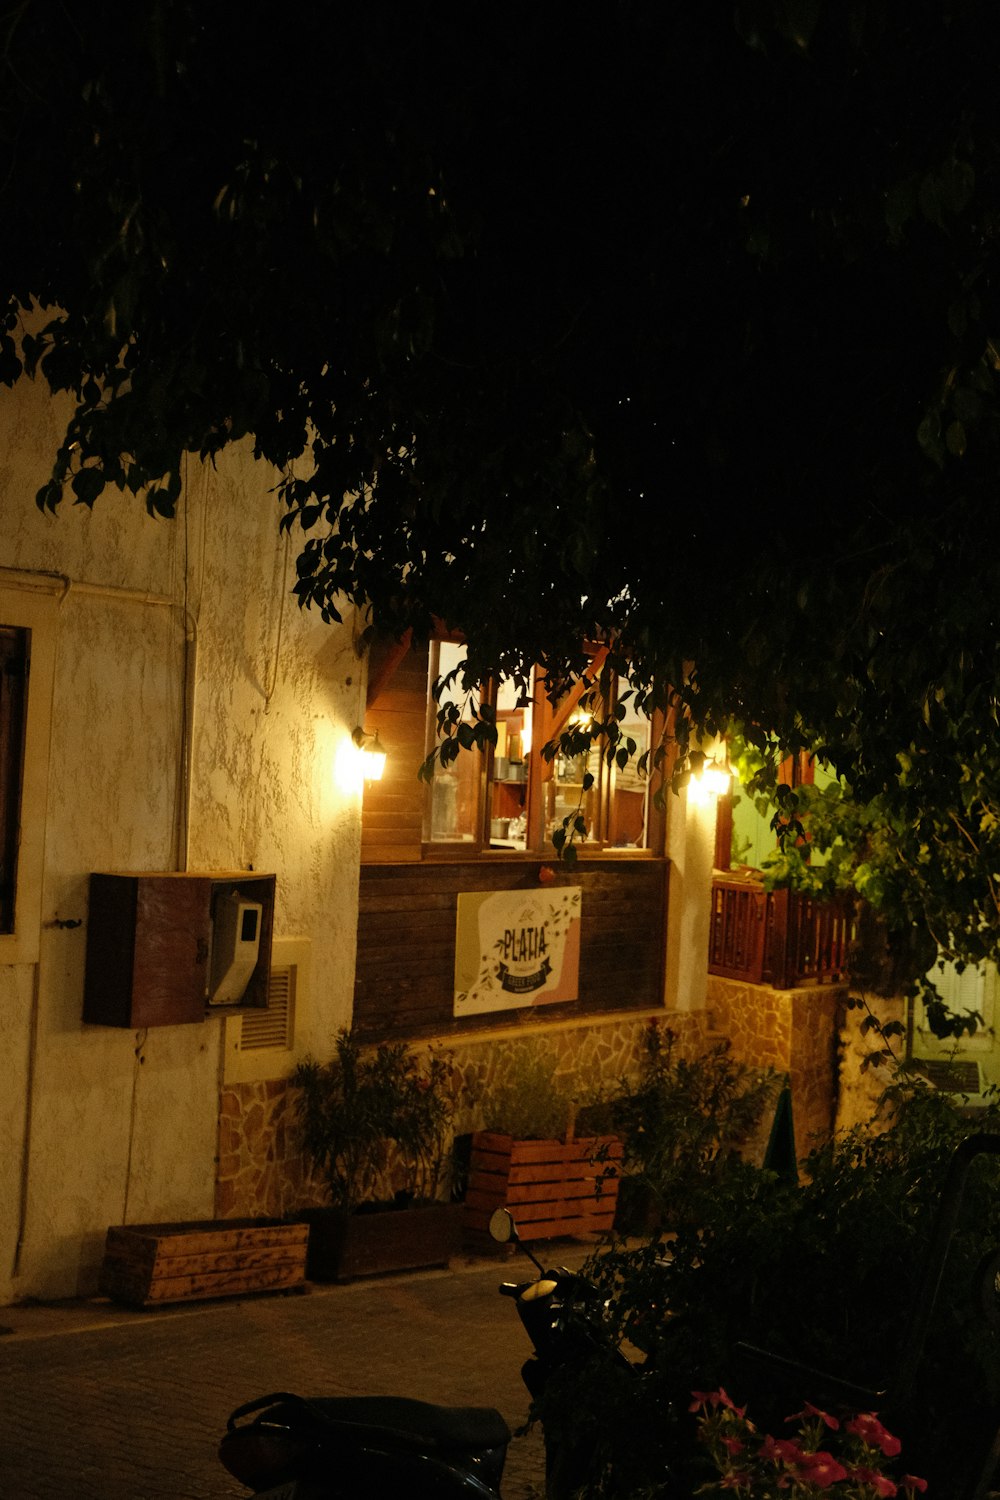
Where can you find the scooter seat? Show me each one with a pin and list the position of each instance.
(453, 1427)
(410, 1423)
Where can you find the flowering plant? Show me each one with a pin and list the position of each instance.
(847, 1459)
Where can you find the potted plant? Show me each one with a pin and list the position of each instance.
(374, 1124)
(682, 1123)
(528, 1158)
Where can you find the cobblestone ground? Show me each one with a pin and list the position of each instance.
(134, 1411)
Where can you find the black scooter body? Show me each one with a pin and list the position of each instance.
(380, 1447)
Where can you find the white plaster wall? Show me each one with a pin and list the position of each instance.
(100, 1125)
(691, 844)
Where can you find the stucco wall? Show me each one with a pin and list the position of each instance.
(101, 1125)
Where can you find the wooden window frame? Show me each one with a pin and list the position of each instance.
(14, 657)
(35, 611)
(547, 724)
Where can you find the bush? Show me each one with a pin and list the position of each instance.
(369, 1108)
(683, 1123)
(825, 1274)
(530, 1103)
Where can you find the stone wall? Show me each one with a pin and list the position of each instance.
(260, 1165)
(793, 1031)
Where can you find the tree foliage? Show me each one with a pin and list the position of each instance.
(674, 328)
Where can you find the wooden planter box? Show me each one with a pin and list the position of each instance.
(148, 1265)
(553, 1188)
(345, 1245)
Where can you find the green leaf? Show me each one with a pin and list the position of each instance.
(955, 439)
(87, 485)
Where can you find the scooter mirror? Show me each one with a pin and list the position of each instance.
(502, 1226)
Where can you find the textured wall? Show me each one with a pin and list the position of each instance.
(794, 1031)
(100, 1125)
(261, 1170)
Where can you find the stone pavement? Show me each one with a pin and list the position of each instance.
(104, 1403)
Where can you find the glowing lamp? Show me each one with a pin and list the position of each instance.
(709, 779)
(371, 754)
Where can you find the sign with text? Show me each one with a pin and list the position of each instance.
(516, 948)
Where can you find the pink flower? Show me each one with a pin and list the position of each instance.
(911, 1482)
(869, 1429)
(880, 1483)
(781, 1450)
(813, 1411)
(715, 1399)
(823, 1469)
(733, 1445)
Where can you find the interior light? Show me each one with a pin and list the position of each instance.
(372, 754)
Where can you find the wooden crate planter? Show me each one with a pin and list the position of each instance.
(148, 1265)
(553, 1188)
(343, 1246)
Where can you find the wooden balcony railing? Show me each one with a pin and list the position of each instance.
(778, 938)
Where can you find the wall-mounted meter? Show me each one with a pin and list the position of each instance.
(235, 947)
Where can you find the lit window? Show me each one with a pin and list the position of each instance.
(511, 797)
(455, 813)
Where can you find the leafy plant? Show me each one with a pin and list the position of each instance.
(824, 1455)
(369, 1109)
(530, 1102)
(682, 1122)
(825, 1274)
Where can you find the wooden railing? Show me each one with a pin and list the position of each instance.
(778, 938)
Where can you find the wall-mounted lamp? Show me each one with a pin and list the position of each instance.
(709, 778)
(373, 756)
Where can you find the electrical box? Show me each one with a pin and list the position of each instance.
(236, 924)
(153, 946)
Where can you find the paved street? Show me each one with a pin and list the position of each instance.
(100, 1403)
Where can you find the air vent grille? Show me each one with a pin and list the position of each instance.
(274, 1027)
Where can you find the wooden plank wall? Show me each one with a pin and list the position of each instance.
(392, 816)
(404, 982)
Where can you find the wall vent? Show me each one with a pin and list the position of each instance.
(260, 1044)
(273, 1025)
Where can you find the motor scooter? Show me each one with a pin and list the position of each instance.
(286, 1447)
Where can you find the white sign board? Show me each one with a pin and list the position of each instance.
(516, 948)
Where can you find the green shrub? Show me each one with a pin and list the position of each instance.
(825, 1274)
(370, 1108)
(529, 1102)
(684, 1120)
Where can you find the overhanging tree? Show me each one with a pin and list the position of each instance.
(674, 330)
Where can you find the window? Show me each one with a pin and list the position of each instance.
(512, 798)
(13, 702)
(27, 666)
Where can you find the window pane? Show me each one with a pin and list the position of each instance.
(565, 797)
(509, 781)
(13, 679)
(628, 815)
(454, 799)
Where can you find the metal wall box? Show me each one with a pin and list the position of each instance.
(149, 939)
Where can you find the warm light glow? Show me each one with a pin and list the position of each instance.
(371, 754)
(717, 779)
(711, 781)
(373, 759)
(347, 773)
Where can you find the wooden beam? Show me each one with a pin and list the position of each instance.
(386, 667)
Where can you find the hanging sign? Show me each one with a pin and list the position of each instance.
(516, 948)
